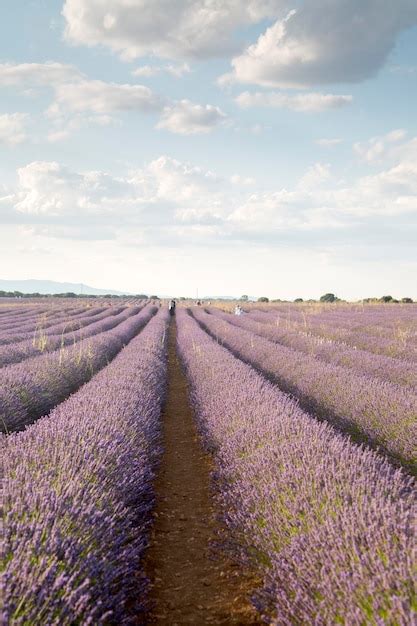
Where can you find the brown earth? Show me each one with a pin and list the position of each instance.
(191, 581)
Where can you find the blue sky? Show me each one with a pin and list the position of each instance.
(259, 146)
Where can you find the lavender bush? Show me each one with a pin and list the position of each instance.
(327, 523)
(78, 494)
(400, 342)
(383, 413)
(57, 323)
(27, 315)
(380, 366)
(32, 388)
(59, 335)
(19, 325)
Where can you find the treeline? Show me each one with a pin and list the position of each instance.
(69, 294)
(327, 297)
(388, 299)
(330, 297)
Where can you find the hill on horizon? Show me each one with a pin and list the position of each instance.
(53, 287)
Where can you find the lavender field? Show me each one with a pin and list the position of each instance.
(300, 446)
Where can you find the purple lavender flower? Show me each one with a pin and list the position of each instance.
(78, 491)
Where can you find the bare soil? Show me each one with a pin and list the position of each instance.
(192, 582)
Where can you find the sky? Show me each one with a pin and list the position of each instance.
(210, 147)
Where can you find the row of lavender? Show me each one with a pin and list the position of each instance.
(383, 367)
(21, 311)
(48, 324)
(328, 524)
(32, 388)
(78, 494)
(12, 324)
(70, 331)
(400, 343)
(29, 315)
(375, 319)
(14, 310)
(380, 412)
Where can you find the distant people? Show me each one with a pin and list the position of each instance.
(238, 310)
(198, 303)
(171, 307)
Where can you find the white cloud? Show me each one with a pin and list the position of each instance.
(79, 102)
(396, 186)
(165, 185)
(147, 71)
(180, 188)
(187, 118)
(271, 214)
(58, 135)
(169, 202)
(324, 42)
(100, 97)
(240, 181)
(404, 151)
(12, 128)
(304, 102)
(94, 102)
(37, 74)
(43, 189)
(313, 208)
(50, 189)
(180, 29)
(66, 126)
(376, 148)
(315, 175)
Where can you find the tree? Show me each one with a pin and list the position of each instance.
(328, 297)
(263, 299)
(407, 300)
(387, 299)
(298, 300)
(244, 298)
(67, 294)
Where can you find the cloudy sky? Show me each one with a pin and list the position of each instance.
(266, 147)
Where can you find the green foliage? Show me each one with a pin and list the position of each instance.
(328, 297)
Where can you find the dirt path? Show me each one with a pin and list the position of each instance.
(189, 583)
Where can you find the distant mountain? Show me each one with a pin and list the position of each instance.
(51, 287)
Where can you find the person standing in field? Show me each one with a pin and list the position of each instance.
(171, 307)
